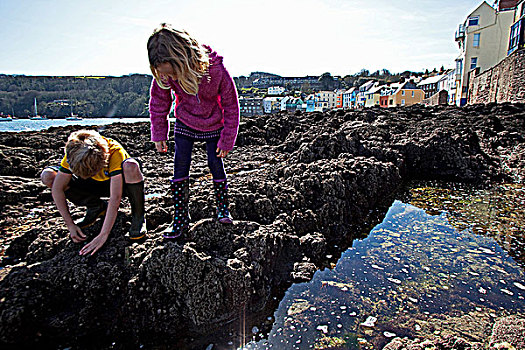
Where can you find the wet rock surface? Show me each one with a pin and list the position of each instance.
(507, 334)
(299, 184)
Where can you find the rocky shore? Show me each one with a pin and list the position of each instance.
(299, 183)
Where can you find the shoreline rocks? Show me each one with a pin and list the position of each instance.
(299, 183)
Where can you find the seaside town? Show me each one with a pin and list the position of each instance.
(488, 41)
(488, 68)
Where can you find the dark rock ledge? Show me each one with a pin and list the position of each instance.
(300, 184)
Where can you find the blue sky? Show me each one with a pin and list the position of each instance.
(286, 37)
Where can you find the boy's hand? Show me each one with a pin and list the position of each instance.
(161, 146)
(94, 245)
(221, 153)
(76, 234)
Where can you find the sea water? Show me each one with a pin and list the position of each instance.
(420, 268)
(18, 125)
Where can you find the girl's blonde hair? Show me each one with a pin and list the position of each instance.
(87, 153)
(188, 58)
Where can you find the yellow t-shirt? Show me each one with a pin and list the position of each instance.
(117, 154)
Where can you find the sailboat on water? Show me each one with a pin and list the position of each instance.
(37, 117)
(73, 116)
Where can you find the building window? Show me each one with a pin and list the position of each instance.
(515, 39)
(473, 62)
(403, 93)
(459, 67)
(475, 43)
(473, 21)
(402, 102)
(412, 93)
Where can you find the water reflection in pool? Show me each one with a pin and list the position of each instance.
(414, 275)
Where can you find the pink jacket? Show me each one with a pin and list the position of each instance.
(215, 106)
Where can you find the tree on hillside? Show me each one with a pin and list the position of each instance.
(363, 73)
(327, 81)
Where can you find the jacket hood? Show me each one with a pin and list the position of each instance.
(215, 59)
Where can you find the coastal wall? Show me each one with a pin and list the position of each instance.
(505, 82)
(439, 98)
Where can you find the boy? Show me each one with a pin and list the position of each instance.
(94, 167)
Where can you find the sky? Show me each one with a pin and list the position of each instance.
(285, 37)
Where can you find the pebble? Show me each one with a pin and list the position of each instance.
(370, 321)
(323, 328)
(519, 285)
(394, 280)
(506, 291)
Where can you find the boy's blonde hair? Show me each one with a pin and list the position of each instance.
(188, 58)
(87, 153)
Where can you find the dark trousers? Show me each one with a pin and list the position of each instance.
(182, 162)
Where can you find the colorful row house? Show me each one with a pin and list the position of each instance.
(373, 94)
(400, 94)
(250, 106)
(349, 98)
(361, 94)
(292, 104)
(310, 103)
(272, 104)
(325, 100)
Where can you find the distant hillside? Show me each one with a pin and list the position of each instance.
(128, 96)
(86, 96)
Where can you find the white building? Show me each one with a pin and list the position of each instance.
(284, 101)
(272, 104)
(361, 98)
(432, 85)
(349, 98)
(325, 100)
(483, 42)
(450, 86)
(276, 90)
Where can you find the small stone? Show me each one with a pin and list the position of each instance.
(323, 328)
(370, 321)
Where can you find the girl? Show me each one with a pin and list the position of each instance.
(206, 108)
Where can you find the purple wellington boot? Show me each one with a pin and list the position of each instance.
(180, 189)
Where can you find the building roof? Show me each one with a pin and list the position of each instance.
(367, 84)
(432, 80)
(376, 89)
(272, 98)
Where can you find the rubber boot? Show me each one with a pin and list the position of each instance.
(181, 218)
(221, 196)
(135, 193)
(96, 207)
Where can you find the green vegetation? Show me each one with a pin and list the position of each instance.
(86, 96)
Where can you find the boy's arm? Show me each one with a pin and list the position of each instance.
(115, 195)
(58, 192)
